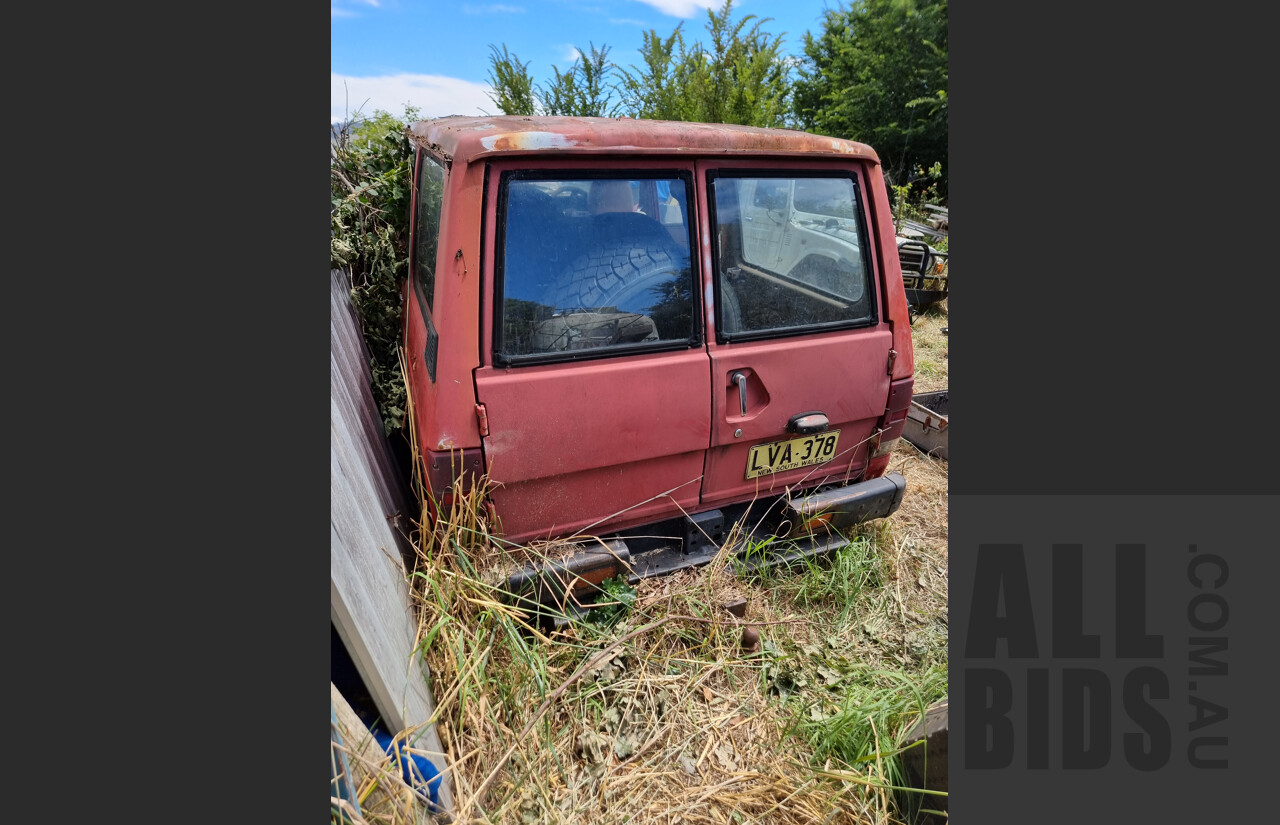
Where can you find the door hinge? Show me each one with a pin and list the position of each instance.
(482, 416)
(893, 356)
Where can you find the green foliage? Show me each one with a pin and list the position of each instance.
(873, 713)
(617, 600)
(654, 91)
(839, 583)
(740, 77)
(370, 187)
(582, 90)
(512, 84)
(907, 206)
(878, 74)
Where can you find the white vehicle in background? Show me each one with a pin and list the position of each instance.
(806, 230)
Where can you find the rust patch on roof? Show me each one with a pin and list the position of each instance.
(467, 139)
(526, 141)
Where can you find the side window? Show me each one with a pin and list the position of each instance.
(592, 266)
(427, 202)
(790, 255)
(427, 233)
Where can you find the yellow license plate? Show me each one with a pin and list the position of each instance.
(788, 455)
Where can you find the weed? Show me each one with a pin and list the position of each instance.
(749, 564)
(618, 598)
(841, 581)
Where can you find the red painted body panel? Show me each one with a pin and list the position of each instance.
(445, 409)
(844, 375)
(809, 373)
(885, 253)
(572, 444)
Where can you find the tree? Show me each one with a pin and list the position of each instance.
(741, 77)
(511, 82)
(654, 92)
(582, 90)
(878, 74)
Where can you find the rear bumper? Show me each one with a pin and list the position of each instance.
(846, 506)
(789, 531)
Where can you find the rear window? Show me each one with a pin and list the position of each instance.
(790, 255)
(591, 267)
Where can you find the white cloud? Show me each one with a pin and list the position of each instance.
(683, 8)
(433, 95)
(627, 21)
(342, 8)
(339, 8)
(569, 53)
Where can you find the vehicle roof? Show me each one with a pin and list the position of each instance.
(463, 139)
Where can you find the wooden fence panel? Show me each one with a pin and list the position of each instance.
(369, 597)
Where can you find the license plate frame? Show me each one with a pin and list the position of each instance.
(775, 457)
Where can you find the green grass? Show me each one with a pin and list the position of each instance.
(874, 712)
(837, 582)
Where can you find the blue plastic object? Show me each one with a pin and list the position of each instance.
(417, 771)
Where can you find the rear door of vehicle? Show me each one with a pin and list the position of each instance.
(594, 372)
(799, 357)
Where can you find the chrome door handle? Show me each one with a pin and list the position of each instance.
(741, 380)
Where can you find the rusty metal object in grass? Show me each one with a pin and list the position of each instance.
(927, 421)
(925, 755)
(737, 607)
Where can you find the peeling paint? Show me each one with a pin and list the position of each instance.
(466, 138)
(527, 140)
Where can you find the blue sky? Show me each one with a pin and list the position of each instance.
(435, 55)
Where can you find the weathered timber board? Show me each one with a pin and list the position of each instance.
(369, 600)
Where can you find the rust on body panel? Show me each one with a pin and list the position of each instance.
(467, 139)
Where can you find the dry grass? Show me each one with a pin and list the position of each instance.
(667, 717)
(376, 781)
(920, 525)
(930, 345)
